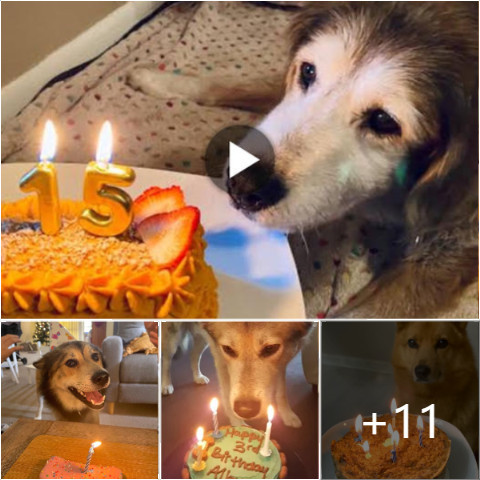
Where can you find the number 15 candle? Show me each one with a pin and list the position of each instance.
(109, 209)
(43, 180)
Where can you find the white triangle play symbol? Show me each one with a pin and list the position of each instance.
(239, 159)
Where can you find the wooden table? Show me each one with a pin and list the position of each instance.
(23, 431)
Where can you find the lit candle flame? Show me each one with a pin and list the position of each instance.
(49, 142)
(395, 438)
(393, 406)
(419, 423)
(105, 144)
(200, 435)
(358, 424)
(270, 413)
(96, 444)
(214, 405)
(365, 446)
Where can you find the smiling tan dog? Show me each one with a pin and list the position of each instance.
(251, 359)
(434, 363)
(72, 379)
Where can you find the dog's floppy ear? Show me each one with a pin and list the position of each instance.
(440, 191)
(441, 194)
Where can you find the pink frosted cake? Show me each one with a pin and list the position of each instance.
(57, 467)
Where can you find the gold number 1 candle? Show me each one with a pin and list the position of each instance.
(108, 209)
(42, 179)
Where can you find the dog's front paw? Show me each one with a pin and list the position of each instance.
(167, 389)
(164, 84)
(140, 78)
(290, 419)
(201, 379)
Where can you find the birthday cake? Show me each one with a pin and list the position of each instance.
(236, 455)
(412, 460)
(156, 269)
(57, 467)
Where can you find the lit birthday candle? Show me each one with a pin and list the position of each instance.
(395, 440)
(393, 408)
(420, 430)
(214, 407)
(265, 451)
(359, 428)
(366, 449)
(108, 209)
(93, 446)
(42, 179)
(199, 463)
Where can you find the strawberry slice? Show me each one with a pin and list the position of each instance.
(157, 200)
(168, 236)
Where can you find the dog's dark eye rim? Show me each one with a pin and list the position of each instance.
(412, 343)
(95, 357)
(229, 351)
(71, 363)
(442, 343)
(381, 123)
(269, 350)
(308, 75)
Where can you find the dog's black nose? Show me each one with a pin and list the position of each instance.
(254, 194)
(422, 372)
(246, 408)
(100, 378)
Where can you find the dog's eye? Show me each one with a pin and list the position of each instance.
(412, 343)
(269, 350)
(442, 343)
(95, 357)
(308, 74)
(381, 123)
(71, 363)
(229, 351)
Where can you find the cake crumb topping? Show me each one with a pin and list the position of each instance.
(30, 249)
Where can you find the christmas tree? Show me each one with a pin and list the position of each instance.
(42, 333)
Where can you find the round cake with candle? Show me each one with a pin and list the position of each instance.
(235, 452)
(360, 454)
(106, 256)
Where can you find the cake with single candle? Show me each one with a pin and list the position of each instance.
(154, 269)
(57, 467)
(236, 454)
(412, 457)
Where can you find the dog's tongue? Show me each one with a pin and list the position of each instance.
(94, 397)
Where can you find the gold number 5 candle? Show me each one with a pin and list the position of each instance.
(108, 209)
(42, 179)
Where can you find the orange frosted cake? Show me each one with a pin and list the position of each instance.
(411, 460)
(155, 269)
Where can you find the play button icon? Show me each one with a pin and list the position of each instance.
(237, 152)
(239, 160)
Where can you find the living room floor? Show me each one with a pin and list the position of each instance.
(21, 401)
(188, 408)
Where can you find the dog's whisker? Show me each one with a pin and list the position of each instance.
(302, 234)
